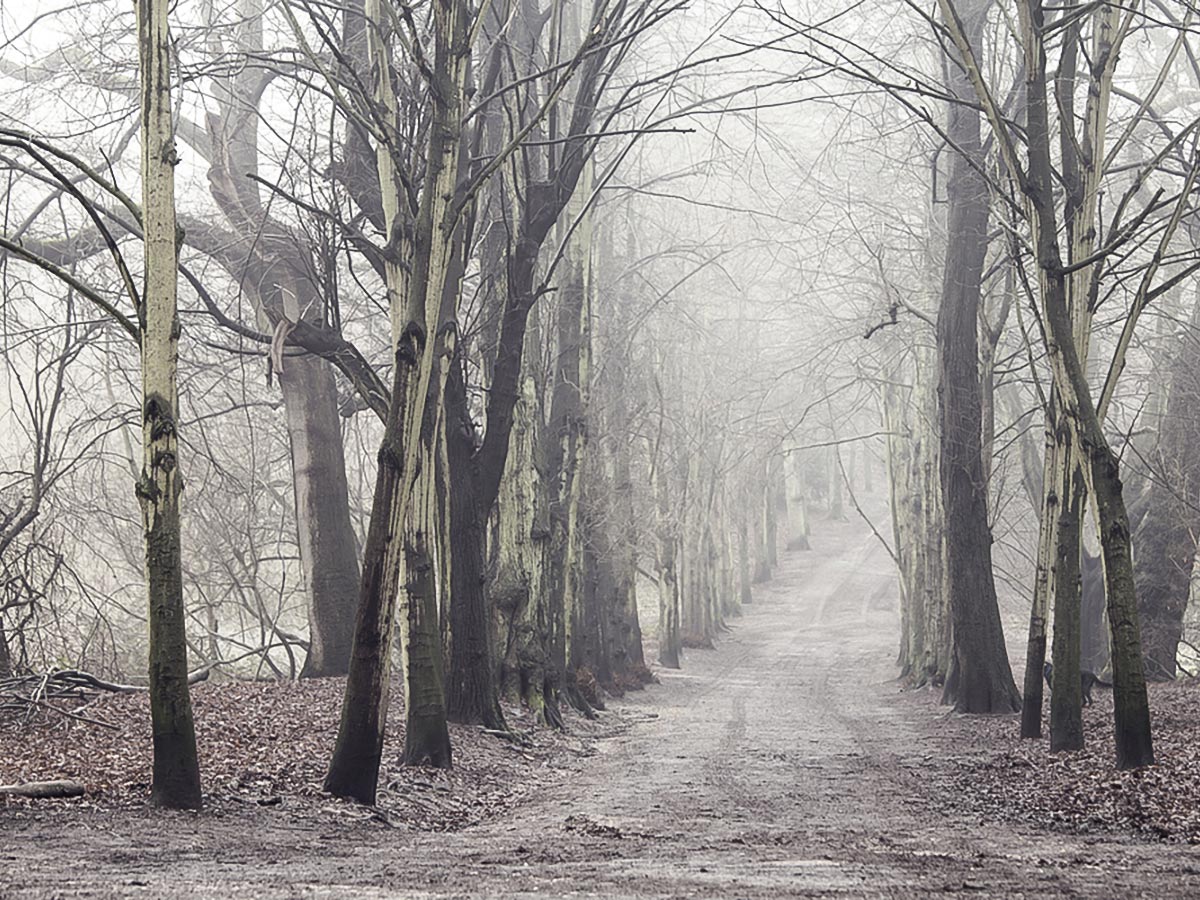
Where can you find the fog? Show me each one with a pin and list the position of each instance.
(530, 378)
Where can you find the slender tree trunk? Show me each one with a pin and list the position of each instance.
(6, 665)
(758, 527)
(1094, 641)
(1131, 709)
(176, 779)
(797, 509)
(744, 568)
(670, 644)
(771, 515)
(1035, 648)
(1066, 711)
(837, 511)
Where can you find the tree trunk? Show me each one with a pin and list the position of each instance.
(980, 678)
(771, 514)
(471, 696)
(274, 268)
(517, 585)
(325, 535)
(1035, 648)
(628, 655)
(176, 779)
(744, 569)
(1165, 542)
(568, 437)
(415, 296)
(1131, 709)
(426, 738)
(1094, 643)
(670, 644)
(6, 665)
(758, 530)
(1066, 711)
(797, 509)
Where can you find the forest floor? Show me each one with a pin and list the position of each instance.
(787, 762)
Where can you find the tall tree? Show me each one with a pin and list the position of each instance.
(537, 193)
(980, 678)
(417, 266)
(1165, 542)
(176, 781)
(1067, 323)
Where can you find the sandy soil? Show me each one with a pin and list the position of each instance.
(785, 763)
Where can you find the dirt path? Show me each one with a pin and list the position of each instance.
(785, 763)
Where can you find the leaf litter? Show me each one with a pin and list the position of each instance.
(266, 744)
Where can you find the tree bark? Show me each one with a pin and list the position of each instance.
(326, 537)
(471, 695)
(415, 296)
(1131, 709)
(1165, 542)
(426, 737)
(176, 779)
(1066, 710)
(1035, 645)
(980, 678)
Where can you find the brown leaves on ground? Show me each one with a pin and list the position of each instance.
(267, 744)
(1005, 778)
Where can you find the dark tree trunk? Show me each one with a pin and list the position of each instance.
(1043, 495)
(980, 678)
(1131, 710)
(1165, 543)
(6, 665)
(1066, 710)
(354, 767)
(471, 692)
(326, 537)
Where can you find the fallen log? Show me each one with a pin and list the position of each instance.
(43, 790)
(86, 679)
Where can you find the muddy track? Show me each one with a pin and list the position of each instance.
(784, 763)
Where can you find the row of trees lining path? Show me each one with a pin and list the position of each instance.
(433, 221)
(500, 557)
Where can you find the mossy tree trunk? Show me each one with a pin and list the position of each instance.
(1066, 323)
(426, 737)
(176, 779)
(417, 266)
